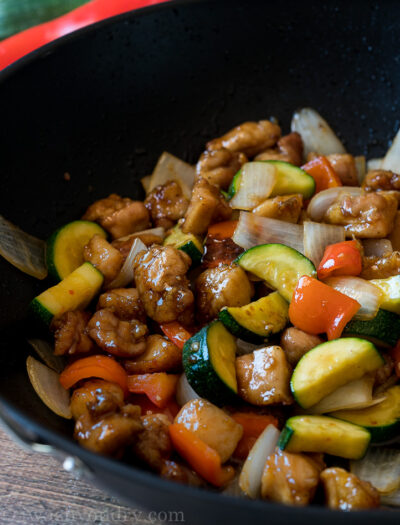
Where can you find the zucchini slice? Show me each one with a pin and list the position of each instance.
(74, 292)
(64, 252)
(381, 420)
(383, 330)
(330, 365)
(279, 265)
(209, 363)
(187, 242)
(324, 434)
(254, 322)
(390, 288)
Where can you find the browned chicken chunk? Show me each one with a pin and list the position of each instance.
(289, 149)
(219, 166)
(221, 286)
(166, 204)
(96, 398)
(344, 166)
(296, 343)
(160, 275)
(119, 216)
(124, 303)
(370, 215)
(381, 267)
(249, 138)
(263, 377)
(70, 334)
(378, 180)
(290, 478)
(394, 237)
(120, 338)
(124, 244)
(284, 208)
(345, 491)
(219, 251)
(160, 356)
(207, 205)
(153, 444)
(174, 471)
(104, 257)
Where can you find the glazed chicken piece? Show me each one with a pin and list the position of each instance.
(284, 208)
(180, 473)
(290, 478)
(160, 275)
(378, 180)
(124, 244)
(70, 334)
(207, 205)
(119, 216)
(120, 338)
(104, 257)
(394, 237)
(153, 444)
(263, 377)
(219, 251)
(344, 165)
(212, 425)
(385, 371)
(381, 267)
(249, 138)
(219, 166)
(296, 343)
(124, 303)
(345, 491)
(161, 355)
(103, 423)
(370, 215)
(221, 286)
(166, 204)
(289, 149)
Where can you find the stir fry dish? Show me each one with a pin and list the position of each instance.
(239, 328)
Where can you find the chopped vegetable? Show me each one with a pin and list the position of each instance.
(374, 164)
(361, 168)
(376, 247)
(317, 308)
(146, 183)
(126, 275)
(176, 333)
(383, 330)
(322, 172)
(321, 201)
(395, 354)
(94, 366)
(253, 426)
(381, 467)
(158, 387)
(202, 458)
(390, 297)
(255, 184)
(317, 236)
(391, 160)
(342, 258)
(187, 242)
(184, 392)
(222, 230)
(170, 167)
(46, 353)
(291, 179)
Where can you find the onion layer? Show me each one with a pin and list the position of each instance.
(256, 184)
(377, 247)
(126, 274)
(322, 200)
(317, 236)
(184, 392)
(170, 167)
(381, 467)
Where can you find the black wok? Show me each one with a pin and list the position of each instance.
(103, 103)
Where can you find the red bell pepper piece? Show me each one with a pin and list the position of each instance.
(176, 333)
(322, 172)
(158, 387)
(222, 230)
(253, 425)
(318, 308)
(342, 258)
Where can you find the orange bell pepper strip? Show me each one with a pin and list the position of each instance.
(158, 387)
(222, 230)
(395, 354)
(99, 366)
(322, 172)
(318, 308)
(342, 258)
(201, 457)
(253, 425)
(176, 333)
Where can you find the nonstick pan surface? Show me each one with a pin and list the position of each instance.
(103, 103)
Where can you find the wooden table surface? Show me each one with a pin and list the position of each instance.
(34, 489)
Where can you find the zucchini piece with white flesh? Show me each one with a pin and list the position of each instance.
(209, 363)
(187, 242)
(390, 288)
(324, 434)
(383, 330)
(254, 322)
(64, 252)
(279, 265)
(331, 365)
(381, 420)
(74, 292)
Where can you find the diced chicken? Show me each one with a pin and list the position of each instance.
(290, 478)
(70, 333)
(394, 237)
(124, 244)
(221, 286)
(219, 251)
(124, 303)
(119, 216)
(166, 204)
(378, 180)
(263, 377)
(249, 138)
(296, 343)
(370, 215)
(381, 267)
(96, 398)
(219, 166)
(180, 473)
(344, 166)
(385, 371)
(160, 356)
(345, 491)
(104, 257)
(284, 208)
(212, 425)
(207, 205)
(289, 149)
(153, 444)
(160, 275)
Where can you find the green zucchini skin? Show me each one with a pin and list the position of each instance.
(191, 249)
(37, 310)
(238, 330)
(382, 330)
